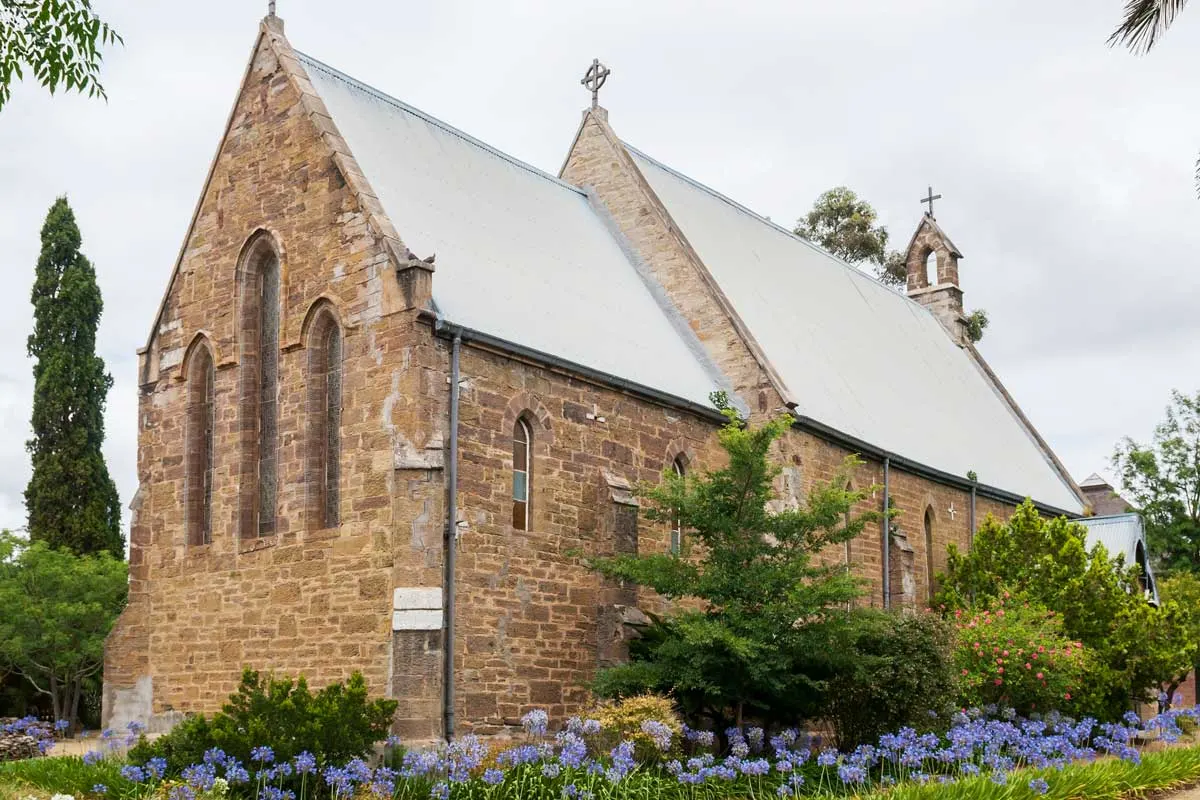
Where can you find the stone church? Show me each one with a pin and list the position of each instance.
(399, 381)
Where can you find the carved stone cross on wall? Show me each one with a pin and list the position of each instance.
(594, 78)
(951, 510)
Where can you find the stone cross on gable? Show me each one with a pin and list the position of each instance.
(271, 8)
(929, 199)
(594, 78)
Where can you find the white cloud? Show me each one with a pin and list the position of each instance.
(1066, 166)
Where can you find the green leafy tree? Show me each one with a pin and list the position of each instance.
(1136, 647)
(71, 500)
(759, 615)
(58, 607)
(846, 225)
(58, 41)
(1183, 591)
(1163, 478)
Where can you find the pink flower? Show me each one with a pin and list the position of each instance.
(1040, 676)
(1027, 665)
(998, 681)
(1001, 671)
(1067, 696)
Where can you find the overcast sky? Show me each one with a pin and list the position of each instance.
(1066, 166)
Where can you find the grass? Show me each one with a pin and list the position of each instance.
(1108, 779)
(60, 775)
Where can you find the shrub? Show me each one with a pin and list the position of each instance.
(1017, 655)
(898, 672)
(1134, 647)
(336, 724)
(746, 638)
(627, 718)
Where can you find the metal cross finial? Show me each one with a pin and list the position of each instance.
(594, 78)
(930, 200)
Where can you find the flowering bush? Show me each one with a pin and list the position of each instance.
(1018, 656)
(649, 721)
(978, 751)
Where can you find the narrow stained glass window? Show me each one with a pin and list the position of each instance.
(522, 440)
(680, 467)
(199, 441)
(930, 589)
(268, 395)
(333, 424)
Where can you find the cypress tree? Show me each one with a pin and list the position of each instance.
(71, 500)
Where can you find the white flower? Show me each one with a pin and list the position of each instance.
(220, 787)
(61, 797)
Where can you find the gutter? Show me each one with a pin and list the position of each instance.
(451, 542)
(449, 330)
(974, 487)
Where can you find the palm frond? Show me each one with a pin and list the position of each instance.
(1198, 177)
(1144, 22)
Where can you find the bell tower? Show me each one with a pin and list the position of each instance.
(932, 266)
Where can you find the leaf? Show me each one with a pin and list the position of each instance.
(1144, 22)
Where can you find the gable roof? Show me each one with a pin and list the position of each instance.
(521, 256)
(856, 356)
(1122, 535)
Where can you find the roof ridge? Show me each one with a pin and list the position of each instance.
(775, 225)
(334, 72)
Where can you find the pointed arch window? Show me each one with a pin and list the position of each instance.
(522, 471)
(325, 420)
(679, 467)
(199, 439)
(260, 388)
(930, 589)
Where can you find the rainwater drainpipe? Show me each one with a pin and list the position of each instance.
(451, 544)
(887, 537)
(972, 539)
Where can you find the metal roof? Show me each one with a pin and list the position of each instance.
(1121, 535)
(855, 355)
(521, 255)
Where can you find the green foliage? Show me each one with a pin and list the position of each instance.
(66, 775)
(71, 500)
(1144, 22)
(1163, 478)
(896, 670)
(760, 644)
(1017, 655)
(58, 607)
(1134, 646)
(846, 226)
(1181, 592)
(977, 322)
(336, 724)
(59, 41)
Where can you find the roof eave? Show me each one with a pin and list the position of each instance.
(446, 329)
(922, 470)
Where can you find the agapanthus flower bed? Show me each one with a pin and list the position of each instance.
(998, 749)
